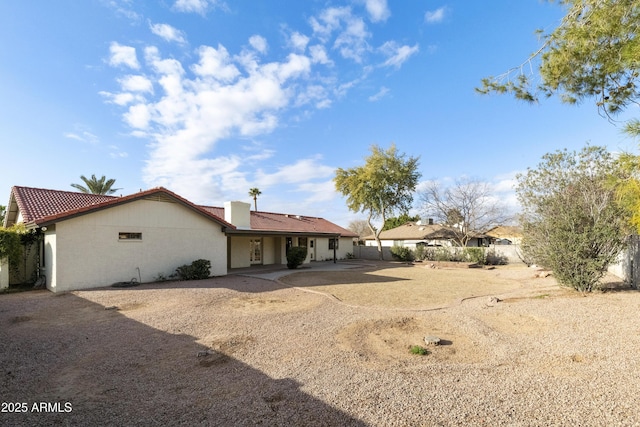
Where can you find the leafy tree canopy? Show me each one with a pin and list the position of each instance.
(397, 221)
(593, 53)
(96, 186)
(382, 186)
(572, 222)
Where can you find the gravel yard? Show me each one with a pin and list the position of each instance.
(324, 348)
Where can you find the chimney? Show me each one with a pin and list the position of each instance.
(237, 213)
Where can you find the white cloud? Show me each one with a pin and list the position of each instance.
(136, 84)
(188, 117)
(168, 33)
(396, 54)
(259, 43)
(216, 63)
(138, 116)
(123, 55)
(192, 6)
(298, 41)
(378, 10)
(302, 171)
(82, 136)
(319, 55)
(352, 33)
(381, 94)
(435, 16)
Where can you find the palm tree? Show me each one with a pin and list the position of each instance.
(254, 192)
(96, 186)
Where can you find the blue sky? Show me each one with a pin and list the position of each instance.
(211, 98)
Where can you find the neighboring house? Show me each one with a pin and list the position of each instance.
(416, 233)
(505, 235)
(92, 240)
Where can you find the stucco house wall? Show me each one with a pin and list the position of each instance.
(89, 253)
(323, 253)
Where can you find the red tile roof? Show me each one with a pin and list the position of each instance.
(35, 203)
(41, 207)
(276, 222)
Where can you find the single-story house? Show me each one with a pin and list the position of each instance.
(412, 234)
(505, 235)
(93, 240)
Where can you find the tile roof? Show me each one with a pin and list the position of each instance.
(505, 232)
(415, 231)
(35, 203)
(43, 207)
(277, 222)
(40, 206)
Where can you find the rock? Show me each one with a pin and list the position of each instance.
(493, 301)
(111, 307)
(432, 340)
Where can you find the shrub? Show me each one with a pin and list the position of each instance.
(401, 253)
(493, 258)
(476, 255)
(296, 256)
(418, 349)
(420, 253)
(199, 269)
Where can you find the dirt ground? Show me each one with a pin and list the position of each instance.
(323, 348)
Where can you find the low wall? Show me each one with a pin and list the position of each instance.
(509, 252)
(371, 252)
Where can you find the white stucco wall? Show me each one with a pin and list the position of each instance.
(4, 273)
(323, 252)
(239, 253)
(85, 252)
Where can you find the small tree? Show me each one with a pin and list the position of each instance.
(468, 207)
(384, 185)
(571, 221)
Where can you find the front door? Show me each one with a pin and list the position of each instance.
(255, 251)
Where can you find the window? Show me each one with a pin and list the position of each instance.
(129, 236)
(333, 244)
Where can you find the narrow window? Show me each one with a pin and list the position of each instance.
(129, 236)
(333, 243)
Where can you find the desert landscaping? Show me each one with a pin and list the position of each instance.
(325, 346)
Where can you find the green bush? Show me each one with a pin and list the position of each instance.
(420, 253)
(296, 256)
(418, 349)
(476, 255)
(401, 253)
(199, 269)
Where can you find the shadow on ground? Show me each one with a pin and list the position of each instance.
(97, 367)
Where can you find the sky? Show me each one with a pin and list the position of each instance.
(211, 98)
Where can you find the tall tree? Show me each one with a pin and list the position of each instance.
(593, 54)
(382, 186)
(469, 207)
(571, 221)
(254, 192)
(96, 186)
(3, 210)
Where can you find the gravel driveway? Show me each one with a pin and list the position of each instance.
(241, 350)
